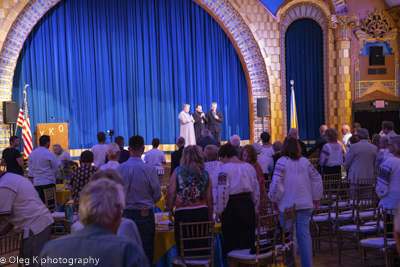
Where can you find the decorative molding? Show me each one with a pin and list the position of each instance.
(224, 13)
(363, 88)
(376, 27)
(342, 25)
(340, 7)
(293, 13)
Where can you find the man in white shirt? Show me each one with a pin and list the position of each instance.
(155, 156)
(388, 129)
(99, 150)
(21, 206)
(346, 136)
(43, 166)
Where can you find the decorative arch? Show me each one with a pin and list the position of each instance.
(224, 13)
(293, 13)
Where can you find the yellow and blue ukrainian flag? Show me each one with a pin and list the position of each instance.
(293, 111)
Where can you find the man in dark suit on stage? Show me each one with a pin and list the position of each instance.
(200, 121)
(177, 155)
(294, 134)
(215, 118)
(207, 139)
(321, 141)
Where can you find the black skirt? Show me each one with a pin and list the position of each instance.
(238, 224)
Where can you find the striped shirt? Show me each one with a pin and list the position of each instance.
(143, 189)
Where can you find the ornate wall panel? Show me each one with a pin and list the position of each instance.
(293, 13)
(223, 12)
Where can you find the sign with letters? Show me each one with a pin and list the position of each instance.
(58, 133)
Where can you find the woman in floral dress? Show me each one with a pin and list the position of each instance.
(191, 188)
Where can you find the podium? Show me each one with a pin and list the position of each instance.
(58, 133)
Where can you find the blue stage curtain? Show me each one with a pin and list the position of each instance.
(130, 66)
(305, 65)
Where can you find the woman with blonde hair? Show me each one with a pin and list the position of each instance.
(191, 188)
(58, 151)
(113, 152)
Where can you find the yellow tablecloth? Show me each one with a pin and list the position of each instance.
(164, 241)
(161, 204)
(62, 195)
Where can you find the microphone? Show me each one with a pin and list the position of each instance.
(52, 117)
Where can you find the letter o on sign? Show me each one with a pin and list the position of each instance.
(61, 128)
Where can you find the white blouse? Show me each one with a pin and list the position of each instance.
(236, 178)
(213, 168)
(295, 182)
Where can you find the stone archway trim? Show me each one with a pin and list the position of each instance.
(223, 12)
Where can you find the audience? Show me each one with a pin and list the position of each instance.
(43, 167)
(58, 152)
(190, 189)
(124, 154)
(277, 146)
(381, 133)
(113, 154)
(207, 139)
(296, 181)
(376, 141)
(155, 156)
(238, 194)
(346, 136)
(99, 150)
(235, 141)
(127, 227)
(213, 166)
(80, 176)
(67, 163)
(383, 152)
(267, 149)
(360, 159)
(249, 155)
(295, 134)
(25, 212)
(100, 211)
(388, 129)
(12, 157)
(262, 159)
(388, 185)
(177, 155)
(319, 144)
(356, 127)
(332, 153)
(143, 191)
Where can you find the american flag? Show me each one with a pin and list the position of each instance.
(24, 122)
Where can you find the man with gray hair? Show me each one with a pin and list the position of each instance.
(207, 139)
(360, 158)
(177, 155)
(346, 136)
(100, 211)
(295, 134)
(214, 118)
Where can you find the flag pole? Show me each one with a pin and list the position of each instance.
(16, 126)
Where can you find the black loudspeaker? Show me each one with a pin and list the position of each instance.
(376, 57)
(262, 107)
(10, 112)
